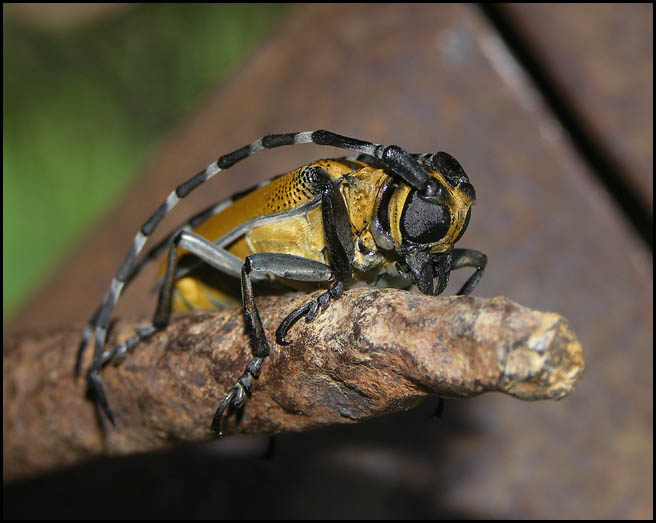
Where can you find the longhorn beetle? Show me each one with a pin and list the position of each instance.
(328, 221)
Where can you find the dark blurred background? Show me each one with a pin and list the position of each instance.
(549, 108)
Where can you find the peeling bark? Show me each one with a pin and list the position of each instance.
(373, 352)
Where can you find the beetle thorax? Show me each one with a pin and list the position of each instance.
(359, 190)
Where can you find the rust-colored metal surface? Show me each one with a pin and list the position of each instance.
(426, 77)
(601, 57)
(363, 357)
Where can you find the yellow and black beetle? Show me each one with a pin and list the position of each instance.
(329, 221)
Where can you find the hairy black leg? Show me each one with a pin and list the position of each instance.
(310, 311)
(469, 258)
(117, 353)
(339, 242)
(285, 266)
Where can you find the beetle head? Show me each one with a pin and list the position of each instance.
(423, 226)
(432, 220)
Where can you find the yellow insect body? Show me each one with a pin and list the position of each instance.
(303, 234)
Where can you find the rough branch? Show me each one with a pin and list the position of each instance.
(373, 352)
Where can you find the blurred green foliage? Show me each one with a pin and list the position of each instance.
(83, 109)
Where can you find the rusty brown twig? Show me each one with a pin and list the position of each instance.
(372, 352)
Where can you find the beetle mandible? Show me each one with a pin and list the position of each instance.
(382, 209)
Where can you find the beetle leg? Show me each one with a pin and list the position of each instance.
(86, 336)
(204, 249)
(209, 253)
(339, 243)
(469, 258)
(135, 269)
(162, 313)
(284, 266)
(439, 409)
(99, 322)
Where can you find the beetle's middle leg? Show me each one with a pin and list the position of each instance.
(207, 252)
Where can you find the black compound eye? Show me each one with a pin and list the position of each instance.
(424, 221)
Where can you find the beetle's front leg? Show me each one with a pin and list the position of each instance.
(339, 243)
(284, 266)
(469, 258)
(310, 311)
